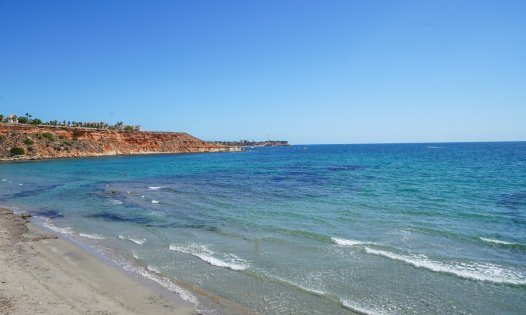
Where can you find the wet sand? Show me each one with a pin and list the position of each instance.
(43, 274)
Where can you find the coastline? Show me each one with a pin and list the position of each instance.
(104, 155)
(27, 142)
(41, 272)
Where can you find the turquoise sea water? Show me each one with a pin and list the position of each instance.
(333, 229)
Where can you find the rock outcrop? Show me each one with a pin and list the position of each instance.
(46, 142)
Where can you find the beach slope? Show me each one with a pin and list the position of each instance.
(40, 274)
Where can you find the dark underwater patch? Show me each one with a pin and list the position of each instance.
(48, 213)
(30, 192)
(115, 217)
(514, 201)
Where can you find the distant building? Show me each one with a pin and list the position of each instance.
(137, 128)
(12, 119)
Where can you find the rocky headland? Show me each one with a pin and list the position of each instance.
(27, 142)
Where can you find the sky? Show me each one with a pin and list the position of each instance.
(311, 72)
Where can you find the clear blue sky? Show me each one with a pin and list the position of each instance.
(304, 71)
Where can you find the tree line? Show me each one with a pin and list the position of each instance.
(28, 119)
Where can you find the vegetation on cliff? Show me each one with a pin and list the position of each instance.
(28, 119)
(23, 141)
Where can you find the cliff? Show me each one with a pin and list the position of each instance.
(45, 142)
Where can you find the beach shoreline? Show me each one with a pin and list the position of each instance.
(41, 272)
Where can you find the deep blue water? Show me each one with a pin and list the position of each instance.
(394, 228)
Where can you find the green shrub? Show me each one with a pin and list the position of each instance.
(2, 139)
(48, 135)
(17, 151)
(28, 142)
(36, 121)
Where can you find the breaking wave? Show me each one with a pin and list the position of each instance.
(92, 236)
(475, 271)
(164, 282)
(153, 269)
(229, 261)
(360, 309)
(489, 240)
(138, 241)
(66, 230)
(347, 242)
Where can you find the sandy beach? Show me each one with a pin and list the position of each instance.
(43, 274)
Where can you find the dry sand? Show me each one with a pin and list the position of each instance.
(41, 274)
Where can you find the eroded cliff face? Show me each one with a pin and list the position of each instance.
(44, 142)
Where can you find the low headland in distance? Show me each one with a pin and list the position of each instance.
(252, 143)
(24, 138)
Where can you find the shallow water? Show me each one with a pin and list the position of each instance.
(401, 228)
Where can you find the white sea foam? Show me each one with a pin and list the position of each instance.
(476, 271)
(20, 184)
(154, 187)
(153, 269)
(66, 230)
(92, 236)
(138, 241)
(4, 180)
(347, 242)
(135, 255)
(229, 261)
(301, 287)
(164, 282)
(360, 309)
(489, 240)
(155, 201)
(116, 202)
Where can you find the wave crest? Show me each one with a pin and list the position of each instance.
(229, 261)
(138, 241)
(475, 271)
(92, 236)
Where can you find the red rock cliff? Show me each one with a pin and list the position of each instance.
(42, 142)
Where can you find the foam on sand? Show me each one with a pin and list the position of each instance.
(153, 269)
(164, 282)
(475, 271)
(92, 236)
(66, 230)
(229, 261)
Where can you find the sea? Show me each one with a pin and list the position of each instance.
(304, 229)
